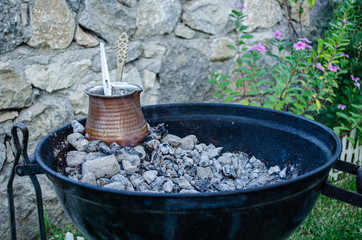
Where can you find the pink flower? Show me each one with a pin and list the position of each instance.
(341, 106)
(277, 34)
(305, 40)
(259, 47)
(239, 6)
(332, 68)
(356, 83)
(344, 55)
(319, 65)
(345, 21)
(301, 45)
(356, 79)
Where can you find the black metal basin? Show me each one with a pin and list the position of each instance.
(269, 212)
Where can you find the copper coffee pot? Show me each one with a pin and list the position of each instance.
(116, 118)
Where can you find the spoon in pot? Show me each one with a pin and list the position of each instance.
(105, 75)
(122, 49)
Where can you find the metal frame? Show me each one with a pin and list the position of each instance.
(27, 168)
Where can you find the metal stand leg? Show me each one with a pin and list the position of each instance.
(21, 150)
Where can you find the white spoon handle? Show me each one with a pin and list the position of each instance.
(105, 75)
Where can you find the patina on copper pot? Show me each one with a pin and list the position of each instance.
(117, 118)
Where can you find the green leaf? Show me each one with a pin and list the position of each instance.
(359, 107)
(245, 101)
(267, 91)
(247, 36)
(231, 47)
(342, 115)
(310, 3)
(239, 83)
(218, 95)
(351, 140)
(260, 73)
(227, 90)
(211, 81)
(243, 27)
(247, 70)
(272, 55)
(228, 99)
(309, 116)
(247, 78)
(222, 78)
(320, 45)
(224, 84)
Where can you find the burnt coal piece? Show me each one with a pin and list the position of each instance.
(166, 163)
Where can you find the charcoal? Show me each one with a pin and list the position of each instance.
(173, 140)
(228, 171)
(158, 132)
(151, 145)
(140, 151)
(93, 155)
(102, 167)
(192, 171)
(138, 182)
(188, 162)
(168, 186)
(77, 127)
(225, 159)
(75, 158)
(203, 173)
(283, 173)
(216, 164)
(201, 147)
(119, 178)
(102, 181)
(230, 183)
(202, 185)
(166, 163)
(183, 183)
(180, 172)
(156, 158)
(128, 167)
(115, 185)
(214, 152)
(218, 176)
(89, 178)
(105, 149)
(157, 184)
(166, 149)
(239, 184)
(243, 157)
(204, 160)
(222, 186)
(150, 176)
(78, 141)
(115, 148)
(92, 146)
(132, 151)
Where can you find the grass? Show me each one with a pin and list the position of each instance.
(329, 219)
(333, 219)
(54, 233)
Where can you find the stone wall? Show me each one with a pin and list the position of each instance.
(49, 54)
